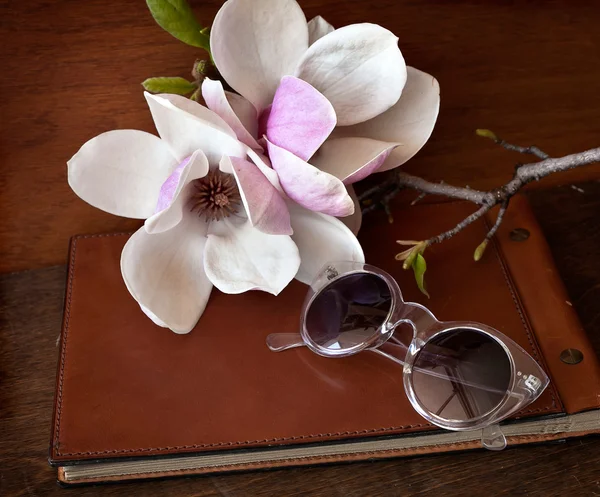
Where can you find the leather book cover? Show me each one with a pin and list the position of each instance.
(128, 389)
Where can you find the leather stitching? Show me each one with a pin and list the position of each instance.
(517, 303)
(374, 431)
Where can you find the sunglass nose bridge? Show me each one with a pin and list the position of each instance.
(416, 315)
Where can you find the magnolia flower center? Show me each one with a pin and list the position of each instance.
(216, 196)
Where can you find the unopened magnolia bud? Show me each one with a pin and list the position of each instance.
(486, 133)
(199, 70)
(480, 250)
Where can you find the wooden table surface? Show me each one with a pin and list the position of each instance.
(31, 309)
(71, 69)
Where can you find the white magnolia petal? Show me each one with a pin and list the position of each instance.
(321, 239)
(264, 205)
(353, 221)
(352, 159)
(153, 317)
(255, 43)
(245, 111)
(217, 101)
(317, 28)
(188, 126)
(358, 68)
(410, 121)
(170, 216)
(164, 272)
(239, 258)
(121, 172)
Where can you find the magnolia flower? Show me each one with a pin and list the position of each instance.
(329, 107)
(212, 217)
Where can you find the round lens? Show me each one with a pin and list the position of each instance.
(461, 374)
(348, 311)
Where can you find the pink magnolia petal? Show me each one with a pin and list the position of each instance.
(172, 186)
(263, 119)
(175, 192)
(317, 28)
(265, 167)
(358, 68)
(217, 101)
(264, 205)
(308, 186)
(300, 119)
(164, 273)
(239, 258)
(352, 159)
(410, 121)
(320, 240)
(255, 43)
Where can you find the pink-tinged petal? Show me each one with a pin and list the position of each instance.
(121, 172)
(308, 186)
(321, 239)
(245, 111)
(410, 121)
(352, 159)
(264, 205)
(300, 119)
(354, 221)
(164, 273)
(172, 186)
(217, 101)
(265, 167)
(255, 43)
(175, 193)
(263, 119)
(317, 28)
(358, 68)
(239, 258)
(187, 126)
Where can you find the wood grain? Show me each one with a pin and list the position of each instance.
(30, 314)
(71, 70)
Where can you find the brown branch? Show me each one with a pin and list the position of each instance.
(524, 174)
(499, 218)
(524, 150)
(459, 227)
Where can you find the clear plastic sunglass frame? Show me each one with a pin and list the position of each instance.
(527, 379)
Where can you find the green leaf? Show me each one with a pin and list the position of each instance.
(176, 17)
(178, 86)
(419, 267)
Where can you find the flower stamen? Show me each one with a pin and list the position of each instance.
(216, 196)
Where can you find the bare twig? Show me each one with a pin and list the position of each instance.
(418, 199)
(499, 218)
(524, 150)
(524, 174)
(459, 227)
(424, 186)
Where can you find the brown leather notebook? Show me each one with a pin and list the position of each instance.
(136, 401)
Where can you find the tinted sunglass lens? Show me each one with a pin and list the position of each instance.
(348, 311)
(469, 374)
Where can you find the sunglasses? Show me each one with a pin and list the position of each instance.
(457, 375)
